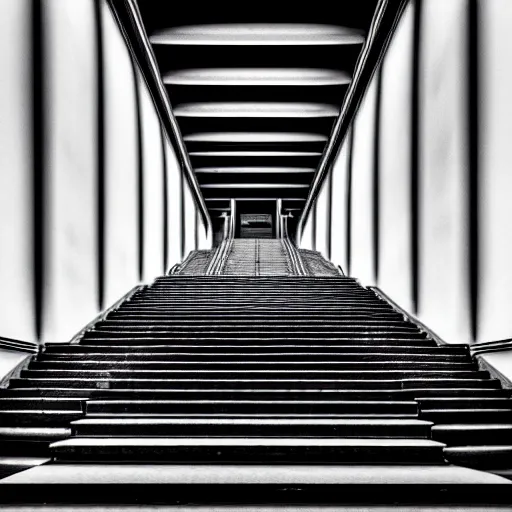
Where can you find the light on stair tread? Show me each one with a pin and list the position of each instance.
(473, 426)
(34, 431)
(255, 153)
(253, 474)
(274, 34)
(256, 109)
(254, 185)
(243, 441)
(252, 421)
(257, 76)
(256, 137)
(254, 170)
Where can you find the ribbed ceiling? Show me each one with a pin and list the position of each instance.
(256, 94)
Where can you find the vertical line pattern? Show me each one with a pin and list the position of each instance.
(100, 157)
(473, 160)
(329, 214)
(39, 163)
(140, 173)
(376, 176)
(182, 213)
(196, 230)
(313, 224)
(415, 155)
(349, 197)
(165, 205)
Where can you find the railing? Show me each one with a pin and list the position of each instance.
(222, 252)
(128, 17)
(18, 346)
(491, 346)
(387, 15)
(294, 255)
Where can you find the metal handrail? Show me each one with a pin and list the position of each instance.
(19, 345)
(491, 346)
(383, 26)
(129, 19)
(292, 251)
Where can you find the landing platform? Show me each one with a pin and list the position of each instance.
(253, 484)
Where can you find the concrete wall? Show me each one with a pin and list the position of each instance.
(428, 220)
(91, 195)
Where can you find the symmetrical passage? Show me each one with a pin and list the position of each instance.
(269, 383)
(255, 93)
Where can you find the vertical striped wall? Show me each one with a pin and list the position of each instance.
(420, 189)
(92, 197)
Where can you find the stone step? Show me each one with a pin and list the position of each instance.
(436, 403)
(249, 486)
(30, 441)
(416, 385)
(291, 324)
(252, 407)
(486, 457)
(351, 333)
(163, 350)
(235, 374)
(291, 365)
(36, 418)
(42, 403)
(250, 315)
(241, 355)
(268, 342)
(253, 450)
(476, 415)
(460, 434)
(257, 427)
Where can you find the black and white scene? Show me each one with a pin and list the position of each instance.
(256, 257)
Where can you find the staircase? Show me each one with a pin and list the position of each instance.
(290, 389)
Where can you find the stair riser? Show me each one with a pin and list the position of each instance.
(166, 350)
(268, 343)
(464, 416)
(355, 408)
(472, 403)
(331, 357)
(290, 316)
(251, 365)
(333, 384)
(24, 448)
(236, 374)
(36, 419)
(264, 455)
(37, 404)
(243, 324)
(483, 462)
(155, 430)
(464, 437)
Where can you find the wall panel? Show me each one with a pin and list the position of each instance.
(322, 232)
(307, 241)
(153, 187)
(190, 220)
(339, 206)
(121, 163)
(71, 294)
(394, 187)
(362, 230)
(443, 185)
(174, 221)
(495, 235)
(17, 311)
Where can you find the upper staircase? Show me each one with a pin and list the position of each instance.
(291, 389)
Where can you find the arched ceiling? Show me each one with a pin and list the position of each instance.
(256, 91)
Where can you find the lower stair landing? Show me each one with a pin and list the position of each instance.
(249, 485)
